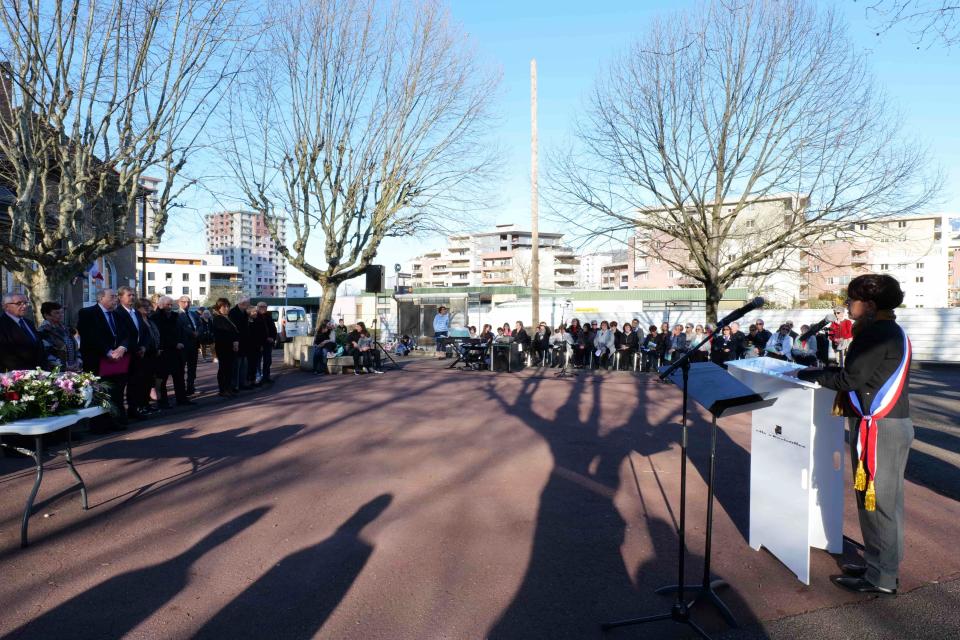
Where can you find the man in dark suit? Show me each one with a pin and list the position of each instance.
(104, 337)
(20, 344)
(191, 324)
(172, 339)
(238, 316)
(139, 379)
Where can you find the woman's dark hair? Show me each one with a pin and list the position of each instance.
(881, 289)
(49, 307)
(653, 327)
(221, 302)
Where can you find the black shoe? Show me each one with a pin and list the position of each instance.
(855, 570)
(191, 392)
(861, 585)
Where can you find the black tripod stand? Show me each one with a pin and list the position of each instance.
(719, 392)
(376, 342)
(680, 610)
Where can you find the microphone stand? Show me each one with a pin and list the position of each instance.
(680, 610)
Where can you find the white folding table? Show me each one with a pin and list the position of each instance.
(37, 428)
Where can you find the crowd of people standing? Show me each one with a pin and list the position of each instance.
(139, 346)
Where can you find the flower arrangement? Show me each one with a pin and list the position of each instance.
(35, 393)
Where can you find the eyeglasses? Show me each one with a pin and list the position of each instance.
(18, 303)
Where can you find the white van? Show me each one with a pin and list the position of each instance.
(291, 322)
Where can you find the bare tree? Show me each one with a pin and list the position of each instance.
(522, 269)
(717, 110)
(367, 121)
(96, 94)
(927, 20)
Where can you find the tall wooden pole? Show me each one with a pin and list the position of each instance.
(534, 201)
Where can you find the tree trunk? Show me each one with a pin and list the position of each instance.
(713, 293)
(42, 287)
(326, 302)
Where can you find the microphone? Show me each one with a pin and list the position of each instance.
(756, 303)
(814, 329)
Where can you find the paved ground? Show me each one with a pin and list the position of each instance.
(436, 504)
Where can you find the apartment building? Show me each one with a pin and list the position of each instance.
(500, 257)
(298, 290)
(592, 265)
(915, 250)
(243, 239)
(197, 275)
(649, 256)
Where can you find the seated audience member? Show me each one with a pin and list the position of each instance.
(691, 334)
(506, 329)
(603, 345)
(780, 345)
(738, 340)
(723, 347)
(541, 343)
(617, 334)
(574, 329)
(486, 334)
(703, 351)
(650, 349)
(404, 346)
(59, 346)
(584, 346)
(521, 336)
(370, 357)
(629, 344)
(561, 346)
(473, 332)
(751, 348)
(324, 344)
(805, 352)
(676, 344)
(763, 336)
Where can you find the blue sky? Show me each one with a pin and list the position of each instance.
(573, 41)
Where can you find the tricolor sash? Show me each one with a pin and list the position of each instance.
(882, 403)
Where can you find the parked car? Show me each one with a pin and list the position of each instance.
(291, 322)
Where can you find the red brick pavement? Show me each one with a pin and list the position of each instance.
(418, 504)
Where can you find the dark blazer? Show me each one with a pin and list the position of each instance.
(185, 317)
(241, 321)
(873, 356)
(138, 333)
(225, 333)
(17, 350)
(96, 338)
(171, 329)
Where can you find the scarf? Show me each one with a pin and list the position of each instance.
(882, 403)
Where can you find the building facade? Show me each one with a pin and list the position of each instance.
(915, 250)
(196, 275)
(243, 239)
(500, 257)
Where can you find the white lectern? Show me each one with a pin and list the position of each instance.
(796, 465)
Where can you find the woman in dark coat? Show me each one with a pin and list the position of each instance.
(723, 348)
(226, 344)
(874, 382)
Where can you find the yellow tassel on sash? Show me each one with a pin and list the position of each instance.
(870, 499)
(860, 481)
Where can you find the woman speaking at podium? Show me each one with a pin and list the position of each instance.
(873, 393)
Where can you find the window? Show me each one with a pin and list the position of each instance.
(294, 315)
(186, 291)
(186, 277)
(168, 290)
(919, 279)
(884, 267)
(203, 277)
(169, 276)
(151, 276)
(919, 265)
(203, 291)
(151, 289)
(815, 268)
(863, 227)
(902, 224)
(750, 223)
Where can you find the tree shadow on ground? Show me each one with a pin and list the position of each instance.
(576, 577)
(204, 455)
(296, 596)
(114, 607)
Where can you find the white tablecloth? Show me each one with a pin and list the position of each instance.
(40, 426)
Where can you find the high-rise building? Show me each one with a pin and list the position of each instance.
(244, 241)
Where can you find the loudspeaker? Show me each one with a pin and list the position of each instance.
(374, 278)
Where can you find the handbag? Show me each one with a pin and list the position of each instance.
(110, 367)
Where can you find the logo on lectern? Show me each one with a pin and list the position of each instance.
(778, 429)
